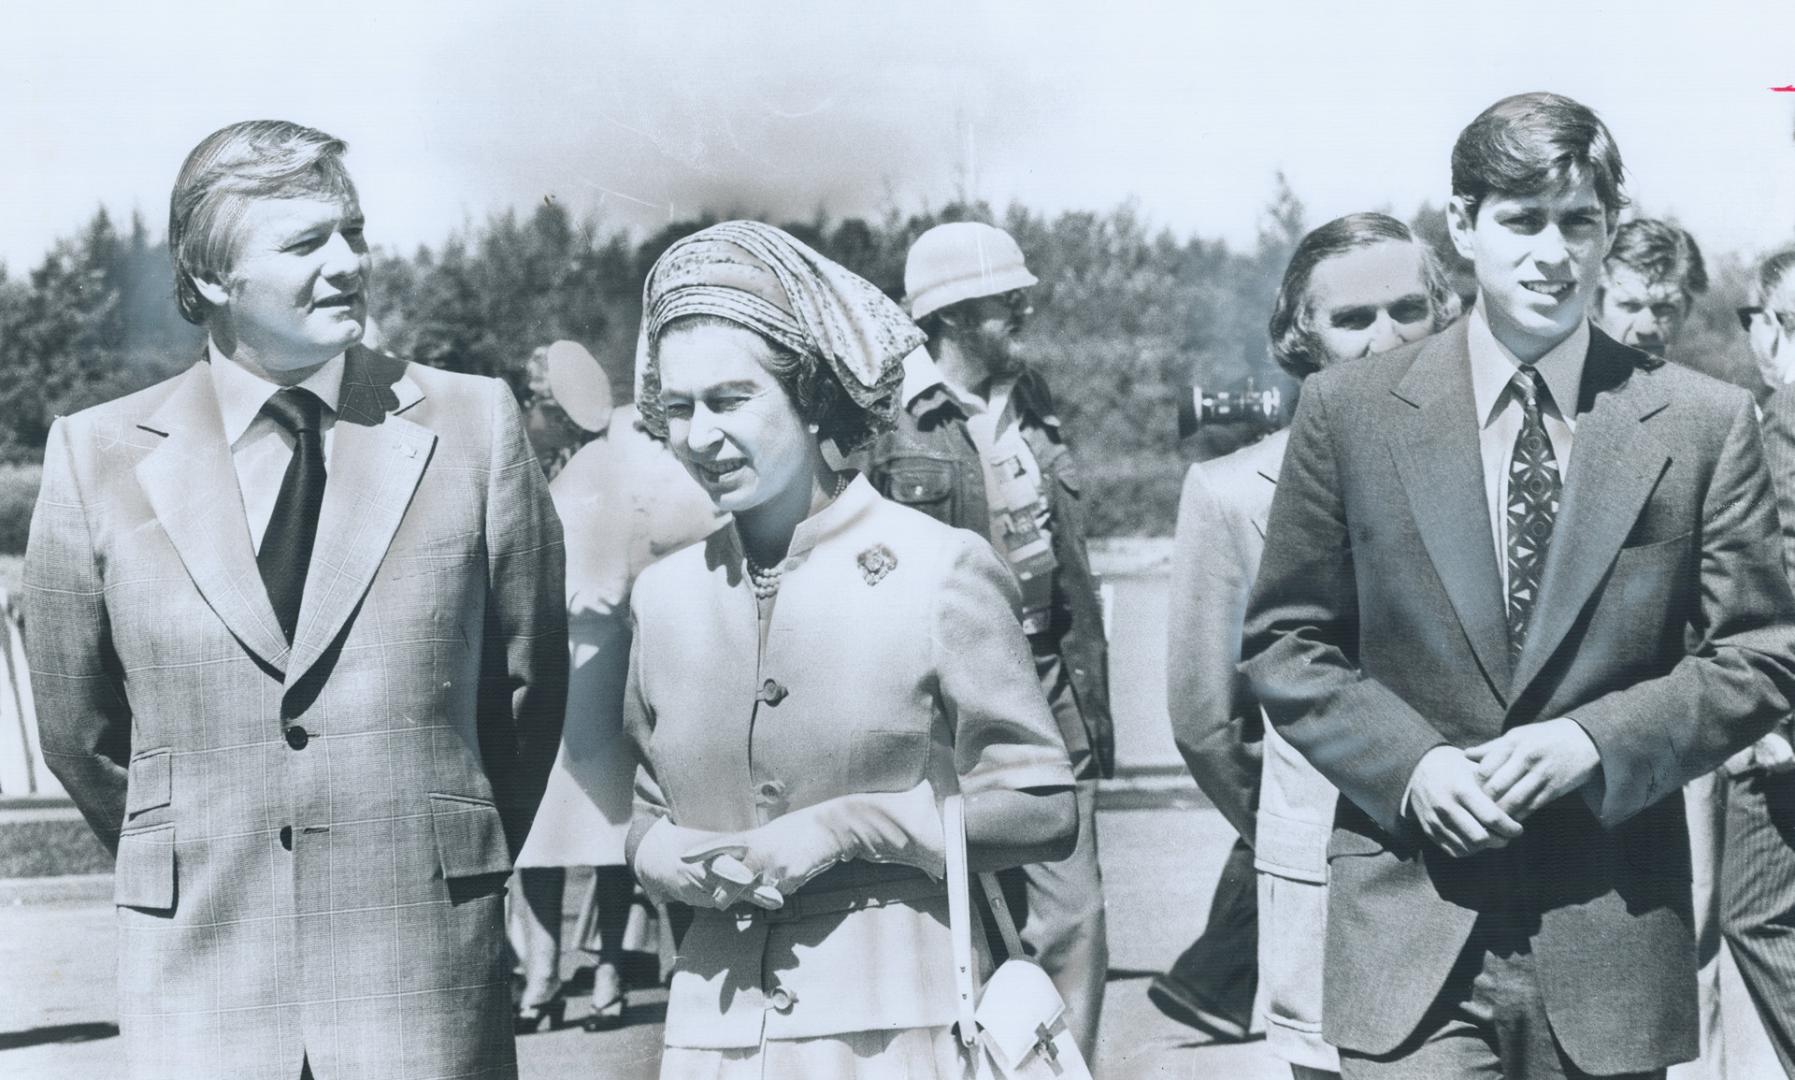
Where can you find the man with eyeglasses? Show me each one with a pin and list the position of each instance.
(1650, 278)
(1757, 894)
(978, 445)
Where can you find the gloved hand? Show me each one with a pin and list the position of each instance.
(779, 857)
(667, 876)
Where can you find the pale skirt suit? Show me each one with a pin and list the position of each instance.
(891, 653)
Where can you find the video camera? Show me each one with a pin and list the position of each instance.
(1247, 404)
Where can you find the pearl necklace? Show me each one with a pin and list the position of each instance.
(764, 580)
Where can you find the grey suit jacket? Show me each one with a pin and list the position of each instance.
(1779, 453)
(1664, 625)
(312, 840)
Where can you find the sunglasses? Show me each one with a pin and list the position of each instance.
(1750, 313)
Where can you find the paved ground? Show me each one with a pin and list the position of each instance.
(57, 1019)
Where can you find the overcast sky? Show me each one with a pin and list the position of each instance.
(646, 111)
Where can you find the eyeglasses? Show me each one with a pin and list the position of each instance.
(1750, 313)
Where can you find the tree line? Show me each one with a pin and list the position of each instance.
(1128, 317)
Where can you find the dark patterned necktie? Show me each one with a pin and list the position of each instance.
(1533, 490)
(287, 545)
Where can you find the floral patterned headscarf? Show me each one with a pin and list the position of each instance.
(764, 279)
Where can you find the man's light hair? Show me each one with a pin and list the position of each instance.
(254, 159)
(1294, 343)
(1659, 251)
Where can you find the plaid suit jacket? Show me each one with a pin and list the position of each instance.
(312, 838)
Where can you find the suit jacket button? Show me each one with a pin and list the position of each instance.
(772, 693)
(297, 737)
(286, 837)
(782, 999)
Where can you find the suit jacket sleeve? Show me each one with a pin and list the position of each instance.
(1302, 635)
(1738, 677)
(523, 678)
(1215, 720)
(84, 719)
(1779, 455)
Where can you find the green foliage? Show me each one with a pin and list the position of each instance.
(18, 494)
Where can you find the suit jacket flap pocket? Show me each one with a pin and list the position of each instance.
(144, 874)
(1291, 848)
(1348, 842)
(150, 782)
(470, 836)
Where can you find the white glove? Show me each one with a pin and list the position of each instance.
(774, 860)
(667, 876)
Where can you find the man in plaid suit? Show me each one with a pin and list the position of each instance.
(296, 625)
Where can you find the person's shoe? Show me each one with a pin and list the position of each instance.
(532, 1018)
(609, 999)
(1178, 1002)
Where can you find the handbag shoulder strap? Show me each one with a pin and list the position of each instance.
(1000, 914)
(959, 915)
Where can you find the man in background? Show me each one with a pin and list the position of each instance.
(1356, 286)
(978, 446)
(1650, 279)
(1757, 890)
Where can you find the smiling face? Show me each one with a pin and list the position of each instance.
(1538, 260)
(1368, 300)
(296, 291)
(729, 421)
(1639, 312)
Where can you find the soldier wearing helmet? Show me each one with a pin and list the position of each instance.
(978, 446)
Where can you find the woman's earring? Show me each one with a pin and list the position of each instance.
(813, 428)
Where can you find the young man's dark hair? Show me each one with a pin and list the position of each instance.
(1529, 143)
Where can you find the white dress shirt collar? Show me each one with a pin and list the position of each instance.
(1493, 367)
(242, 393)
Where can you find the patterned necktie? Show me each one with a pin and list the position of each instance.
(1533, 489)
(287, 545)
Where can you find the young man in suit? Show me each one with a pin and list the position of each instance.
(1520, 584)
(299, 642)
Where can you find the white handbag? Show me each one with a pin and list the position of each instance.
(1015, 1027)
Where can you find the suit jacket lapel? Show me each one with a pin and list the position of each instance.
(376, 460)
(1615, 464)
(1437, 457)
(191, 484)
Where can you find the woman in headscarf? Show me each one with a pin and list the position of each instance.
(807, 684)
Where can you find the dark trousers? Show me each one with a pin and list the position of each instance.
(1221, 968)
(1757, 899)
